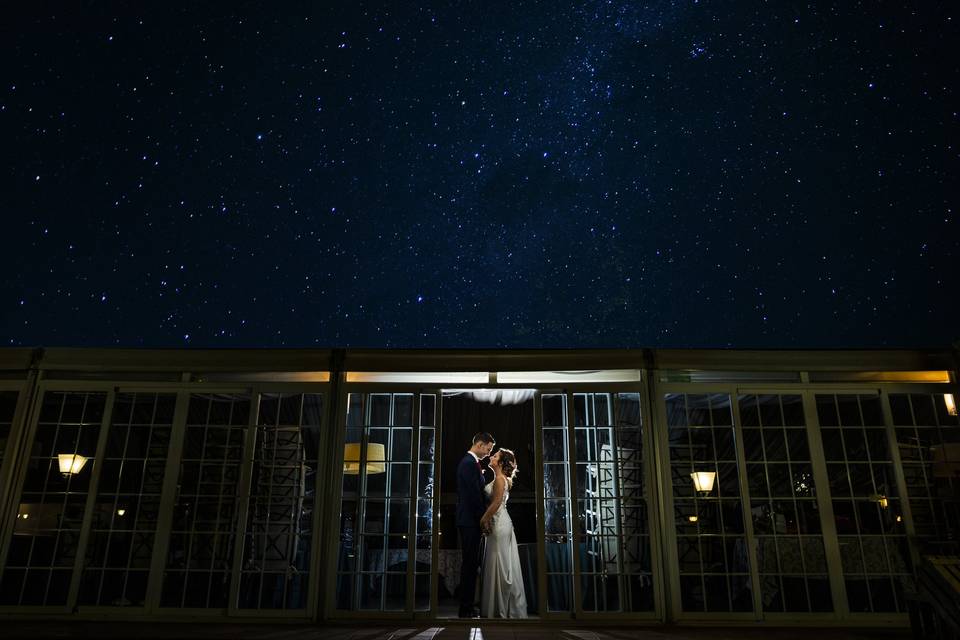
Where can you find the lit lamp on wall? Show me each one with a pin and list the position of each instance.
(703, 480)
(951, 403)
(71, 463)
(374, 462)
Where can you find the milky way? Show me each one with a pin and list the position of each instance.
(485, 175)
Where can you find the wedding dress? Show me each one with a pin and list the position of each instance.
(502, 595)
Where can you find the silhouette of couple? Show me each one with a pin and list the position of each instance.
(486, 532)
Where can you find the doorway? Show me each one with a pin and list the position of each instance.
(580, 505)
(507, 414)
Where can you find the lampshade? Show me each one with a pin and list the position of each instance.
(71, 463)
(951, 403)
(703, 480)
(374, 461)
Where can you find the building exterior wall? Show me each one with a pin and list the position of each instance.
(212, 483)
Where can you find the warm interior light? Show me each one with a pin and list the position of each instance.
(703, 480)
(71, 463)
(899, 518)
(410, 377)
(951, 403)
(121, 512)
(374, 462)
(881, 500)
(692, 518)
(540, 377)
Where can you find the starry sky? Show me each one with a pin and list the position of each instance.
(553, 174)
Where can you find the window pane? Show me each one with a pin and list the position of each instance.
(46, 531)
(710, 524)
(121, 541)
(278, 534)
(200, 553)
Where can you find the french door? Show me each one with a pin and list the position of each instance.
(595, 506)
(386, 549)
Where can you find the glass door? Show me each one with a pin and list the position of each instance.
(596, 525)
(785, 504)
(508, 415)
(386, 547)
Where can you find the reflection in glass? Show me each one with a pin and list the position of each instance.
(124, 523)
(375, 515)
(611, 504)
(711, 545)
(200, 552)
(280, 512)
(43, 547)
(866, 504)
(928, 440)
(783, 505)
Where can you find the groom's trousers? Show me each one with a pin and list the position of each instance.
(470, 539)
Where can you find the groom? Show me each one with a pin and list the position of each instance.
(471, 503)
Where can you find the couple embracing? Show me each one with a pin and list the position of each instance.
(486, 532)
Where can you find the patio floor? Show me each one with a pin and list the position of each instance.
(499, 631)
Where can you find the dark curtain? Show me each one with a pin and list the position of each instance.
(510, 425)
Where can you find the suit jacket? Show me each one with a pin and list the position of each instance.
(471, 501)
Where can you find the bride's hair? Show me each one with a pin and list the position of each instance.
(508, 466)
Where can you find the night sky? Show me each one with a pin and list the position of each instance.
(583, 174)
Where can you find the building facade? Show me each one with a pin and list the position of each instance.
(298, 485)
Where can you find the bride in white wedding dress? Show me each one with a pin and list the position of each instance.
(502, 595)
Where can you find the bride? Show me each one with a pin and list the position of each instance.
(502, 594)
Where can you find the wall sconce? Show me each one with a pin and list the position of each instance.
(951, 403)
(374, 462)
(71, 463)
(703, 480)
(881, 500)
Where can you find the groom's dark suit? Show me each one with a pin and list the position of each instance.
(471, 503)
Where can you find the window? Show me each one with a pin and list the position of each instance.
(786, 521)
(200, 553)
(928, 438)
(711, 543)
(124, 517)
(866, 504)
(279, 523)
(43, 549)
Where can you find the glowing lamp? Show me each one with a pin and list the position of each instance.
(121, 512)
(71, 463)
(692, 518)
(951, 403)
(881, 500)
(703, 480)
(374, 461)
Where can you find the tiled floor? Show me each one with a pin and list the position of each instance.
(154, 631)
